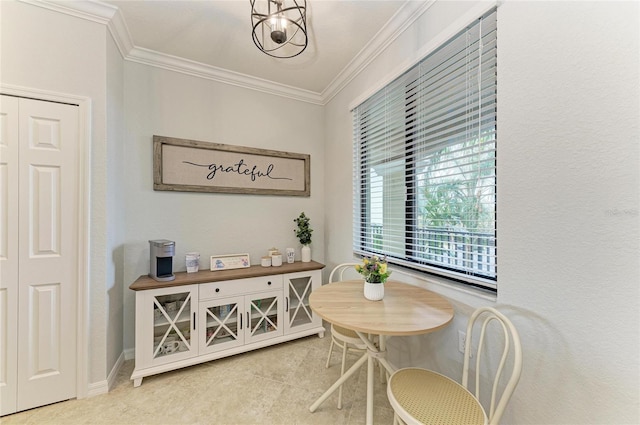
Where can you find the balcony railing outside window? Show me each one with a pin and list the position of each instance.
(456, 250)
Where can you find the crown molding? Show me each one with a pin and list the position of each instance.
(120, 33)
(93, 11)
(111, 17)
(209, 72)
(397, 25)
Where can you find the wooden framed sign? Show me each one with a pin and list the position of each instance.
(195, 166)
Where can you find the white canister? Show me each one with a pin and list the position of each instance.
(265, 261)
(276, 260)
(193, 261)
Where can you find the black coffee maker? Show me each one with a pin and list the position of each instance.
(161, 259)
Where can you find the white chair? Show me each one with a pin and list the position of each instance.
(344, 338)
(421, 396)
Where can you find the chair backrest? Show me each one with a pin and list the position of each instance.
(511, 354)
(338, 271)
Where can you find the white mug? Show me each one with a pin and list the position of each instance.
(291, 255)
(193, 261)
(170, 347)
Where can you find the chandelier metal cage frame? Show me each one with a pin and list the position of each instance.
(269, 29)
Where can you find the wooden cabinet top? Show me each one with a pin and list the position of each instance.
(204, 276)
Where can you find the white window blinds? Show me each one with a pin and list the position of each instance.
(425, 162)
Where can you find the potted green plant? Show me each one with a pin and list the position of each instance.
(303, 233)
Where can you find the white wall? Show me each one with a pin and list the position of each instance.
(166, 103)
(568, 204)
(568, 186)
(115, 206)
(48, 51)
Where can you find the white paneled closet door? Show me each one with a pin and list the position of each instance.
(40, 238)
(8, 254)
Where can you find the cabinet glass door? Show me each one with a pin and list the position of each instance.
(264, 313)
(222, 323)
(298, 312)
(172, 324)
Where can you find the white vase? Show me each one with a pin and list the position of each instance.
(306, 253)
(373, 291)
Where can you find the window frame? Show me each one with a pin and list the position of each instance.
(363, 239)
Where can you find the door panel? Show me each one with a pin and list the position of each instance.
(45, 211)
(263, 316)
(8, 253)
(173, 323)
(44, 336)
(298, 313)
(221, 324)
(48, 256)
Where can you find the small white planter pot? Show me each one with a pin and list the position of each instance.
(373, 291)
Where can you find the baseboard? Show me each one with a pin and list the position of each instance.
(130, 354)
(111, 379)
(103, 387)
(97, 388)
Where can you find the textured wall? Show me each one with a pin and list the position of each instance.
(568, 204)
(175, 105)
(116, 212)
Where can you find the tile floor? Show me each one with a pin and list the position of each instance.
(274, 385)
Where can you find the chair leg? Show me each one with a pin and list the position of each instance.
(383, 371)
(397, 420)
(330, 351)
(344, 361)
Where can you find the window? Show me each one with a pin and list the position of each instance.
(425, 162)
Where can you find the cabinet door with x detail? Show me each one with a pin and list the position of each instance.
(166, 328)
(297, 312)
(263, 316)
(222, 323)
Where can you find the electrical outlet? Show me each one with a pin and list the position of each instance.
(462, 338)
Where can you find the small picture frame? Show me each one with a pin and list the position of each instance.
(230, 261)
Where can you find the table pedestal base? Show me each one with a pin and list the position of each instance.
(372, 355)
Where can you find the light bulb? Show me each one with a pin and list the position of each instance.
(279, 29)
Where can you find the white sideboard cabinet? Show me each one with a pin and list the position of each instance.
(207, 315)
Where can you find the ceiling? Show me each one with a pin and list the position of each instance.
(213, 39)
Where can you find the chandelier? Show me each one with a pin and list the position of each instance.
(280, 27)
